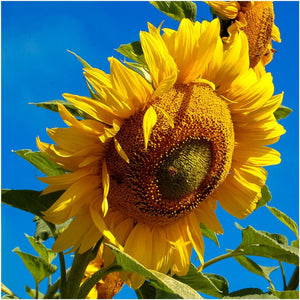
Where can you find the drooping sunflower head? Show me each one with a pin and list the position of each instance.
(256, 19)
(151, 160)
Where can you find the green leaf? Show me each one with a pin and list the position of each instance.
(279, 238)
(258, 243)
(41, 162)
(37, 266)
(250, 293)
(295, 243)
(9, 297)
(52, 105)
(210, 284)
(133, 51)
(47, 254)
(29, 200)
(42, 230)
(177, 9)
(149, 291)
(164, 282)
(209, 234)
(32, 293)
(245, 292)
(286, 294)
(265, 197)
(284, 219)
(282, 112)
(85, 64)
(253, 267)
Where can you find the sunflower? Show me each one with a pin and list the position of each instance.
(107, 287)
(256, 19)
(152, 159)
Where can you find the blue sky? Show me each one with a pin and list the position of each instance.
(36, 67)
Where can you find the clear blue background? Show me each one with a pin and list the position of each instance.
(36, 67)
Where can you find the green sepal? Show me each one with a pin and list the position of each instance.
(133, 51)
(286, 220)
(29, 200)
(41, 162)
(253, 267)
(85, 64)
(265, 197)
(47, 254)
(286, 294)
(32, 293)
(282, 112)
(92, 93)
(210, 284)
(37, 266)
(209, 234)
(142, 69)
(177, 10)
(161, 281)
(259, 243)
(52, 105)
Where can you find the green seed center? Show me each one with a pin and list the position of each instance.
(184, 168)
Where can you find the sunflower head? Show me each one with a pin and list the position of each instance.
(153, 158)
(256, 19)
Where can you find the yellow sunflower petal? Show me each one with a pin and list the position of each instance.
(105, 184)
(162, 67)
(99, 222)
(97, 110)
(205, 213)
(131, 85)
(228, 9)
(120, 151)
(149, 121)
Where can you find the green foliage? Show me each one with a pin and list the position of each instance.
(258, 243)
(265, 197)
(52, 105)
(161, 281)
(32, 292)
(282, 112)
(253, 267)
(177, 10)
(29, 200)
(250, 293)
(286, 294)
(85, 64)
(43, 232)
(41, 162)
(37, 266)
(209, 234)
(47, 254)
(210, 284)
(133, 51)
(284, 219)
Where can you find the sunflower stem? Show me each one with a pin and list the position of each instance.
(219, 258)
(63, 277)
(36, 290)
(79, 265)
(283, 275)
(294, 281)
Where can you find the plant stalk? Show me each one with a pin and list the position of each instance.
(218, 258)
(294, 281)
